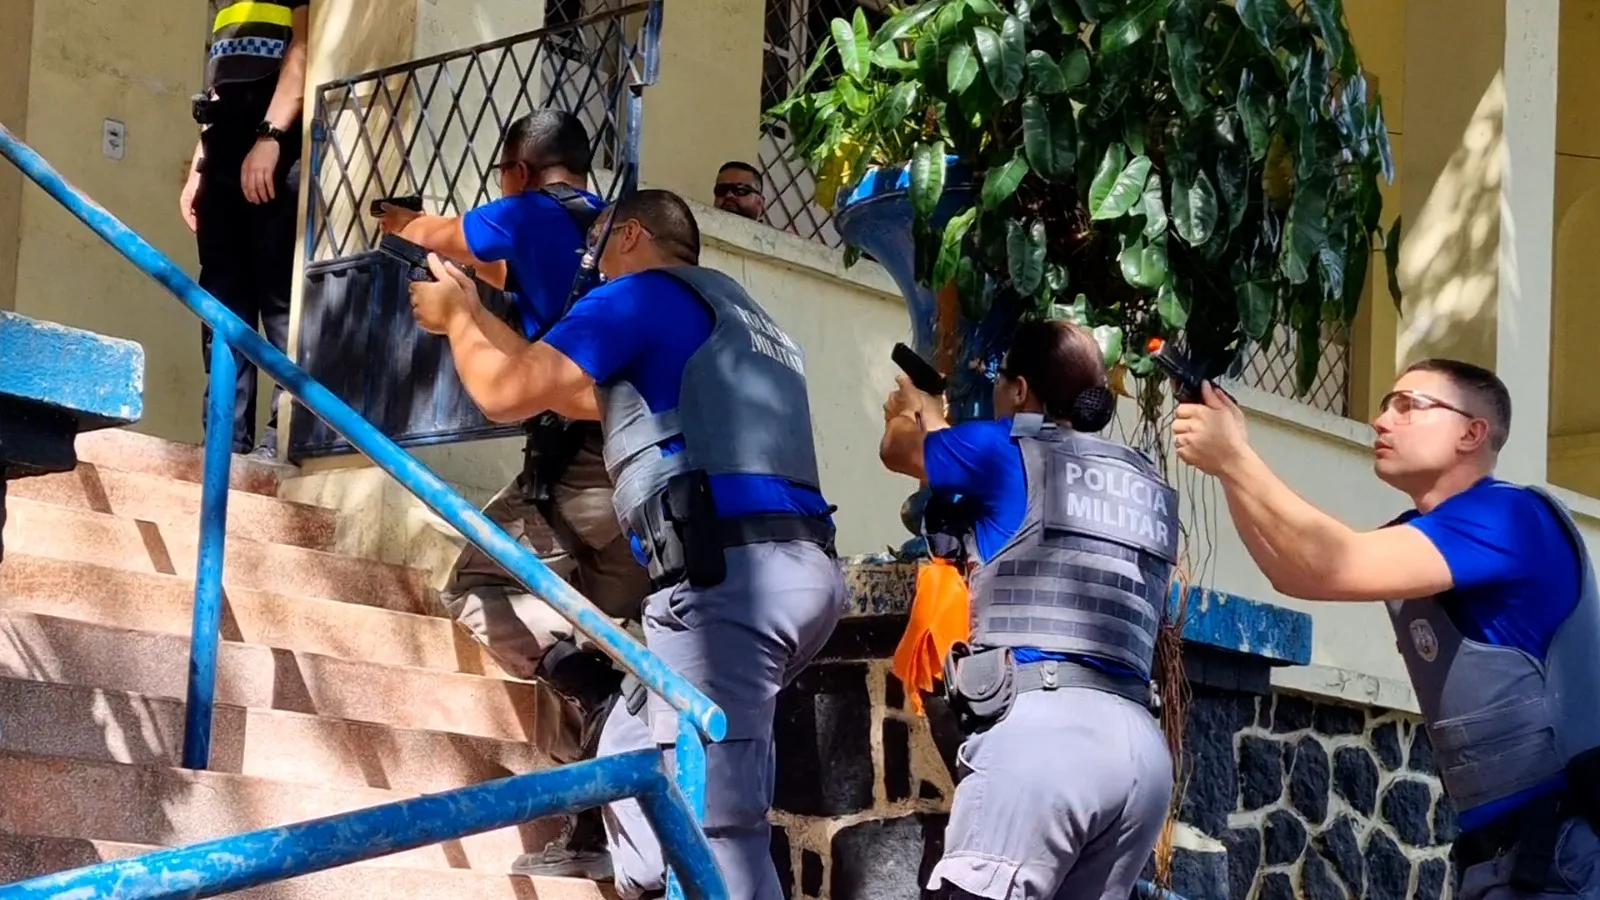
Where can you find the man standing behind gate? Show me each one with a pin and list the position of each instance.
(240, 198)
(559, 505)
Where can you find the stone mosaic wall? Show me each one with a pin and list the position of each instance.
(1286, 797)
(1311, 800)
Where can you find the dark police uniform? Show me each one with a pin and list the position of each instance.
(246, 249)
(1066, 778)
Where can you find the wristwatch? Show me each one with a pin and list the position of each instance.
(268, 130)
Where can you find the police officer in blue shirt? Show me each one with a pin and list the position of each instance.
(708, 438)
(559, 505)
(1492, 596)
(1065, 778)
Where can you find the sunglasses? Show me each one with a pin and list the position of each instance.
(1404, 403)
(733, 189)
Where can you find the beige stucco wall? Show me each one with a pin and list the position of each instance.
(138, 63)
(16, 55)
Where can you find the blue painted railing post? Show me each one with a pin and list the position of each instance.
(690, 776)
(206, 631)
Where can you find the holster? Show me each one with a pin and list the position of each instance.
(980, 686)
(692, 512)
(553, 443)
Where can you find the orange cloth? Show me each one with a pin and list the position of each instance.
(940, 616)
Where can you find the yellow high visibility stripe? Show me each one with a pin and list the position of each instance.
(249, 12)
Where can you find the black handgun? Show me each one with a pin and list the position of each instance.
(412, 202)
(924, 377)
(1176, 364)
(415, 258)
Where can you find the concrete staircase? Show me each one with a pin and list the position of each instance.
(338, 688)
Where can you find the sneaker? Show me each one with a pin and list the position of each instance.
(266, 452)
(561, 862)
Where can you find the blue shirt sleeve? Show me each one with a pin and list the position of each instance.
(603, 333)
(970, 459)
(493, 230)
(1484, 534)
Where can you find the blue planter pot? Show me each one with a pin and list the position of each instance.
(875, 218)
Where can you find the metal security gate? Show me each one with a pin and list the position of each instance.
(432, 127)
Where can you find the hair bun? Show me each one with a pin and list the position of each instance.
(1092, 409)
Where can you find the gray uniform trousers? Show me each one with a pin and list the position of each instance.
(1063, 799)
(584, 546)
(1574, 872)
(740, 642)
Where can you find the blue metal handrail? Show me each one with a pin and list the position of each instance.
(674, 813)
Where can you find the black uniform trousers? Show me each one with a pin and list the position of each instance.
(247, 249)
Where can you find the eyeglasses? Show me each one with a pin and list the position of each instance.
(733, 188)
(1404, 403)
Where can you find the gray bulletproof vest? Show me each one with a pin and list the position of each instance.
(1088, 572)
(1501, 721)
(742, 410)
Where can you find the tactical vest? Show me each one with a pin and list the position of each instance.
(1501, 721)
(1089, 570)
(742, 409)
(248, 40)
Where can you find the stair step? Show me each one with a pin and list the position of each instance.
(69, 798)
(99, 725)
(41, 529)
(145, 601)
(129, 451)
(65, 651)
(27, 856)
(165, 501)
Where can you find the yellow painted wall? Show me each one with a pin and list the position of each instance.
(16, 48)
(139, 63)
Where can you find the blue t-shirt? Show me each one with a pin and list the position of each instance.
(542, 246)
(642, 328)
(1517, 577)
(980, 461)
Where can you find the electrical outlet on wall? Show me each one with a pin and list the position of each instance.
(113, 139)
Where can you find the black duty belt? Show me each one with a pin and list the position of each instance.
(775, 527)
(1052, 674)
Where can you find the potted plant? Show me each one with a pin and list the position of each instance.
(1188, 169)
(1193, 170)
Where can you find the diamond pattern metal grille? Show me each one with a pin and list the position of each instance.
(433, 126)
(1273, 370)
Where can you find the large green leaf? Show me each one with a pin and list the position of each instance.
(1357, 258)
(1002, 54)
(1090, 10)
(1331, 261)
(903, 22)
(1184, 47)
(1256, 299)
(1328, 17)
(1308, 355)
(962, 69)
(855, 99)
(1002, 181)
(944, 268)
(1263, 18)
(1255, 112)
(1048, 137)
(1233, 174)
(1075, 68)
(1043, 73)
(1194, 206)
(1109, 337)
(1380, 135)
(1136, 20)
(888, 57)
(1025, 255)
(902, 99)
(1152, 207)
(1116, 189)
(971, 287)
(1144, 265)
(856, 56)
(1305, 232)
(928, 63)
(927, 178)
(1309, 87)
(1065, 15)
(1056, 277)
(1172, 306)
(986, 8)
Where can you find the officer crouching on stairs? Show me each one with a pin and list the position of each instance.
(708, 438)
(242, 194)
(1491, 591)
(1065, 775)
(559, 506)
